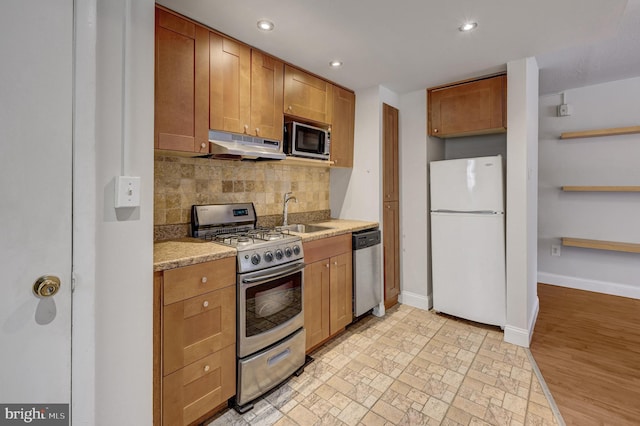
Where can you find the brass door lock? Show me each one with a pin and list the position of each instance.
(46, 286)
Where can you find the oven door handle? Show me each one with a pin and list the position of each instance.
(280, 274)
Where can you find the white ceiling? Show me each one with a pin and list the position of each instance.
(409, 45)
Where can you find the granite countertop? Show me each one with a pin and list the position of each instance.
(189, 251)
(338, 227)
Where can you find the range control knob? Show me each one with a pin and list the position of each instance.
(296, 250)
(287, 251)
(255, 259)
(279, 254)
(268, 256)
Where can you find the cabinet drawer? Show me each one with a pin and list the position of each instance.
(190, 281)
(196, 389)
(326, 247)
(197, 327)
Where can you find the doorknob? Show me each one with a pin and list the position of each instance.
(46, 286)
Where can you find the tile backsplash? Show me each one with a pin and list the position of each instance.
(180, 182)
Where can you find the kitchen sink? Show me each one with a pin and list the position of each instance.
(305, 229)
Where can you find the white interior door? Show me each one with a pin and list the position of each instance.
(36, 81)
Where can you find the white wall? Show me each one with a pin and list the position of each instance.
(611, 160)
(522, 182)
(113, 251)
(414, 253)
(348, 200)
(357, 193)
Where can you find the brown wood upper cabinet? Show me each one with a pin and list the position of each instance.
(306, 96)
(181, 84)
(246, 89)
(344, 111)
(469, 108)
(390, 174)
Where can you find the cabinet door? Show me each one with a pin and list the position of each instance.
(344, 111)
(230, 85)
(267, 77)
(193, 391)
(316, 302)
(391, 249)
(341, 292)
(390, 153)
(197, 327)
(181, 85)
(477, 107)
(306, 96)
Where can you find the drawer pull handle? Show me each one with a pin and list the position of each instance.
(279, 357)
(206, 368)
(205, 304)
(204, 280)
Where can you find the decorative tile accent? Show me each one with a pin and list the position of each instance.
(411, 367)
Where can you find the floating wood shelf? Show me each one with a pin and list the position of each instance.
(601, 245)
(601, 188)
(601, 132)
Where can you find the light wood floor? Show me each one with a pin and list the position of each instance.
(587, 346)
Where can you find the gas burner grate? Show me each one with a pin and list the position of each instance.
(234, 239)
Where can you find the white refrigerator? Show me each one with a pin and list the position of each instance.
(467, 239)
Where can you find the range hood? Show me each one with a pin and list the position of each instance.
(244, 146)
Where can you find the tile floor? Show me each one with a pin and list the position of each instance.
(411, 367)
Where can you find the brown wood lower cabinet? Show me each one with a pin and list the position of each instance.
(328, 288)
(194, 341)
(196, 389)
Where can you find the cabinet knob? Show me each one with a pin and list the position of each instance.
(246, 127)
(204, 280)
(335, 263)
(205, 304)
(203, 145)
(257, 131)
(327, 265)
(435, 130)
(289, 108)
(207, 368)
(335, 161)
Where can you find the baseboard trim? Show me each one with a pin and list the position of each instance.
(416, 300)
(521, 336)
(614, 289)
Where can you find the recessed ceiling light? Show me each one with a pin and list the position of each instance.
(468, 26)
(265, 25)
(335, 64)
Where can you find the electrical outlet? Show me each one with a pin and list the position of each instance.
(555, 250)
(127, 191)
(564, 110)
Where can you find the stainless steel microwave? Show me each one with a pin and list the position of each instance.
(303, 140)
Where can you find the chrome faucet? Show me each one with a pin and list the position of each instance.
(287, 198)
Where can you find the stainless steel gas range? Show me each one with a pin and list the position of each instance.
(270, 341)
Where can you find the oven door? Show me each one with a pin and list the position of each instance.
(269, 306)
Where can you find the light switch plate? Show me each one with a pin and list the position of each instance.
(127, 191)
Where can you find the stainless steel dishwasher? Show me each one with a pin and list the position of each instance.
(367, 281)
